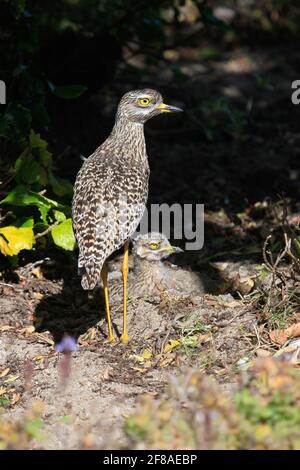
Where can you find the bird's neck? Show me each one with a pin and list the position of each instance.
(129, 134)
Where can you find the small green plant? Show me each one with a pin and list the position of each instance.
(268, 405)
(192, 415)
(280, 310)
(264, 413)
(24, 433)
(4, 401)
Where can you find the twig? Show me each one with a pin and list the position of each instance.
(9, 179)
(5, 216)
(45, 232)
(272, 265)
(8, 285)
(256, 330)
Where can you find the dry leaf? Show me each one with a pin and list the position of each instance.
(3, 390)
(167, 360)
(14, 239)
(4, 372)
(244, 285)
(229, 303)
(138, 369)
(147, 354)
(106, 374)
(142, 358)
(6, 328)
(290, 353)
(37, 271)
(147, 364)
(93, 334)
(38, 295)
(10, 379)
(28, 329)
(38, 358)
(281, 336)
(224, 300)
(204, 338)
(172, 343)
(15, 398)
(43, 337)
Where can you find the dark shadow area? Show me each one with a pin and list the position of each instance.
(72, 310)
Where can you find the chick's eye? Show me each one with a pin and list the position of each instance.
(153, 246)
(144, 102)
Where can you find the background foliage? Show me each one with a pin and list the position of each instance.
(58, 51)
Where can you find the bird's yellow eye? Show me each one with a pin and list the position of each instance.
(154, 246)
(144, 102)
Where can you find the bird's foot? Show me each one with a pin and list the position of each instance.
(110, 339)
(124, 338)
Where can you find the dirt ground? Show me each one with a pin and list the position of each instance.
(87, 406)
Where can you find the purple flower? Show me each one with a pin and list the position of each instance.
(67, 344)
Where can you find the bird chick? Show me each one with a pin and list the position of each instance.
(152, 275)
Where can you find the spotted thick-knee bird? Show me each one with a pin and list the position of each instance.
(111, 191)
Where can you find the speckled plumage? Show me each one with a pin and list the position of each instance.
(111, 189)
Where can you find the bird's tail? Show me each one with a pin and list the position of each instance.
(91, 275)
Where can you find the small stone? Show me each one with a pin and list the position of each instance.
(262, 353)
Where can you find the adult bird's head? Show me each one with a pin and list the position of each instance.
(141, 105)
(153, 246)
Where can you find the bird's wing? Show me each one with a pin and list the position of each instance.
(107, 207)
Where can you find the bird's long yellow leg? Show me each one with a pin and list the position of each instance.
(104, 275)
(124, 337)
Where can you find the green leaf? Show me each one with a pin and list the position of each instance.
(69, 91)
(21, 196)
(66, 419)
(36, 141)
(28, 170)
(59, 216)
(63, 235)
(4, 401)
(25, 222)
(60, 186)
(43, 210)
(20, 160)
(45, 157)
(39, 147)
(33, 427)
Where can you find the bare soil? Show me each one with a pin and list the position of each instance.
(87, 396)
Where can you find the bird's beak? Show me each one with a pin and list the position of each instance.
(166, 108)
(173, 249)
